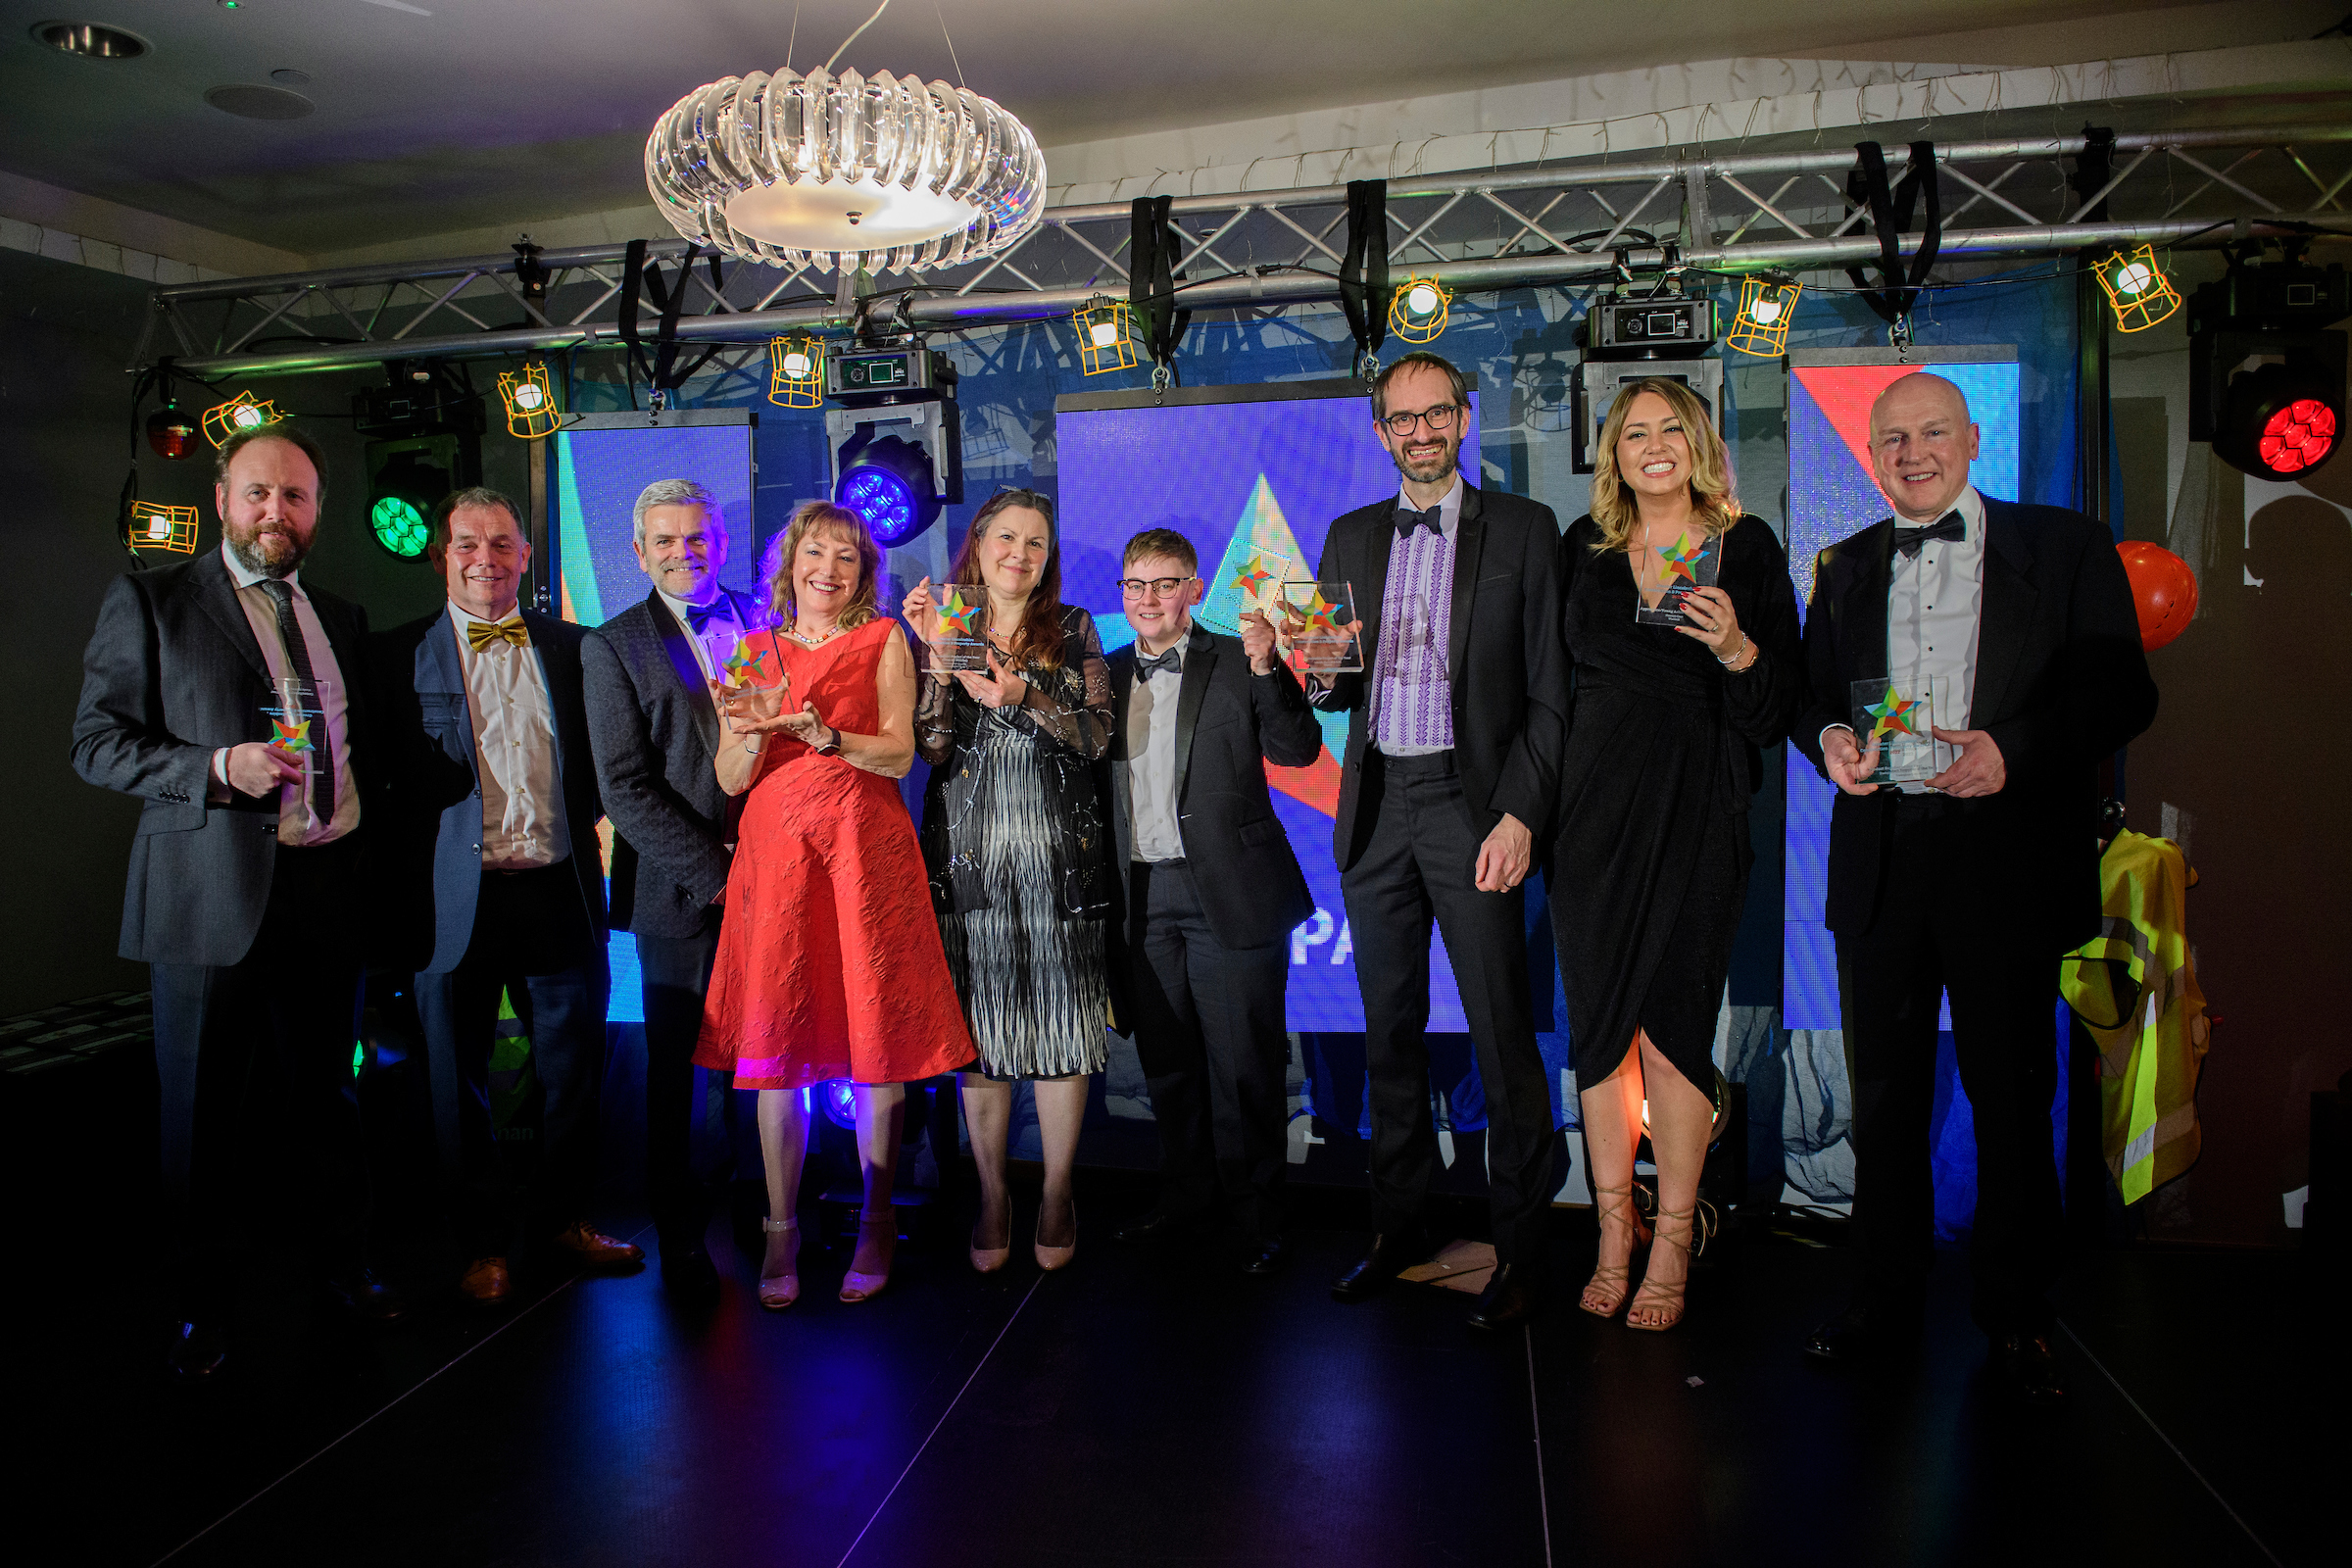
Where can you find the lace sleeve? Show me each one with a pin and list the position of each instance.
(1072, 709)
(934, 719)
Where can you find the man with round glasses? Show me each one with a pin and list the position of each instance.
(1453, 739)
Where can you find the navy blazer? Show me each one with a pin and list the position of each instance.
(437, 786)
(2061, 682)
(172, 672)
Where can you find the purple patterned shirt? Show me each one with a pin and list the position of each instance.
(1413, 699)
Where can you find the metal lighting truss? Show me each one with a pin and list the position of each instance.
(1487, 230)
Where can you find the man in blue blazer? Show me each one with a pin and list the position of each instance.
(495, 748)
(1973, 881)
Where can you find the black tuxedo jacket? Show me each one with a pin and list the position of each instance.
(1229, 724)
(2061, 682)
(1504, 659)
(657, 737)
(433, 879)
(172, 673)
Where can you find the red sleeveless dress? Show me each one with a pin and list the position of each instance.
(829, 963)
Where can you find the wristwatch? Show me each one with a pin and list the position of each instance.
(831, 747)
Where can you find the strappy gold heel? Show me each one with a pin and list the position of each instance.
(1606, 1292)
(1695, 1225)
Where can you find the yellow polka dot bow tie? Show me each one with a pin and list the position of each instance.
(480, 634)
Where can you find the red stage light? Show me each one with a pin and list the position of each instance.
(2298, 436)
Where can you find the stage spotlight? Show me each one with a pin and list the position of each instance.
(1417, 311)
(2284, 417)
(1767, 305)
(795, 372)
(1103, 343)
(897, 450)
(406, 480)
(170, 432)
(2279, 421)
(839, 1097)
(244, 412)
(2136, 289)
(531, 401)
(888, 480)
(154, 527)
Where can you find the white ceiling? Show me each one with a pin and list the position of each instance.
(442, 115)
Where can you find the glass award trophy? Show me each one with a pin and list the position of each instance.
(1260, 581)
(1902, 714)
(1325, 638)
(297, 715)
(1690, 562)
(742, 662)
(955, 638)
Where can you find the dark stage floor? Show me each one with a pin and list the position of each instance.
(1144, 1407)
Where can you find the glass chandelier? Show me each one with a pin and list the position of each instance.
(879, 171)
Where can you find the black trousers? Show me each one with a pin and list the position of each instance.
(675, 974)
(1422, 862)
(1943, 924)
(255, 1062)
(1208, 1025)
(533, 944)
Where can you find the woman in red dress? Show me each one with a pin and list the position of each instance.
(829, 963)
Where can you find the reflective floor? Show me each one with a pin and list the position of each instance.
(1149, 1406)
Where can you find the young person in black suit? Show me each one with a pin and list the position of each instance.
(657, 737)
(1454, 746)
(494, 749)
(240, 873)
(1212, 891)
(1974, 881)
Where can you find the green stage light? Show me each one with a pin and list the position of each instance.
(399, 527)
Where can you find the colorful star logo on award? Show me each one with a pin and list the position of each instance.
(290, 737)
(748, 666)
(959, 616)
(1681, 559)
(1262, 541)
(1893, 715)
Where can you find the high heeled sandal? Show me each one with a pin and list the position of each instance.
(1696, 1224)
(861, 1287)
(1615, 1203)
(1050, 1258)
(779, 1291)
(989, 1259)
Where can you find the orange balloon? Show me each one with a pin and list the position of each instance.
(2164, 591)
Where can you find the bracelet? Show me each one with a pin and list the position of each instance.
(750, 747)
(1738, 652)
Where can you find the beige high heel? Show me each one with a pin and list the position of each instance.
(989, 1259)
(1050, 1258)
(1607, 1291)
(858, 1287)
(779, 1291)
(1696, 1224)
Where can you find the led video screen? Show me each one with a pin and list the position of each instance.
(1241, 472)
(1831, 496)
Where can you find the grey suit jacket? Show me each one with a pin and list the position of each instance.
(172, 674)
(656, 736)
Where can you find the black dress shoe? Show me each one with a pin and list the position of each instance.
(1154, 1224)
(197, 1351)
(1390, 1256)
(359, 1293)
(1864, 1332)
(688, 1274)
(1265, 1256)
(2028, 1369)
(1509, 1298)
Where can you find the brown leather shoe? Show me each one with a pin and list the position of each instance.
(598, 1251)
(486, 1282)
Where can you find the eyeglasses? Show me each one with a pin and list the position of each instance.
(1156, 587)
(1440, 419)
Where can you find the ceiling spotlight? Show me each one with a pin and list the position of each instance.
(890, 483)
(1767, 307)
(531, 401)
(1102, 340)
(90, 41)
(2136, 289)
(830, 172)
(2279, 421)
(1417, 311)
(248, 102)
(2284, 417)
(170, 432)
(795, 372)
(244, 412)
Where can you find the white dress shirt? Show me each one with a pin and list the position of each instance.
(723, 606)
(1152, 759)
(294, 824)
(515, 751)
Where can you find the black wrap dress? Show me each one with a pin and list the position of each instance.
(1650, 870)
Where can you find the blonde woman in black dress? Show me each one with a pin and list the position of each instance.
(1650, 867)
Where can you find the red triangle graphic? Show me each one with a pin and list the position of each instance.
(1844, 394)
(1317, 784)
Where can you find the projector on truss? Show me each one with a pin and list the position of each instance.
(895, 443)
(2284, 416)
(1661, 332)
(1645, 327)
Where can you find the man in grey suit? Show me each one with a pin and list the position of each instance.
(656, 736)
(239, 898)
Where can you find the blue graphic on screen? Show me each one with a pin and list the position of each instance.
(1832, 496)
(1254, 486)
(599, 475)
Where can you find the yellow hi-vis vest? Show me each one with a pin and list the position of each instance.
(2136, 988)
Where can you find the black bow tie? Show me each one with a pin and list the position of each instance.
(719, 609)
(1910, 541)
(1407, 520)
(1149, 665)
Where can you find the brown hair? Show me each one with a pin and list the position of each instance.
(806, 518)
(1161, 542)
(437, 527)
(291, 435)
(1040, 637)
(1428, 361)
(1714, 503)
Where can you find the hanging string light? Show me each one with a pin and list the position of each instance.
(244, 412)
(795, 372)
(1103, 343)
(532, 411)
(1767, 305)
(2136, 289)
(155, 526)
(1417, 311)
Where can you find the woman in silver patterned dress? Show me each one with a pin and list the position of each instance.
(1013, 833)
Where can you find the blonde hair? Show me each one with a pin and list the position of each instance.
(806, 518)
(1713, 501)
